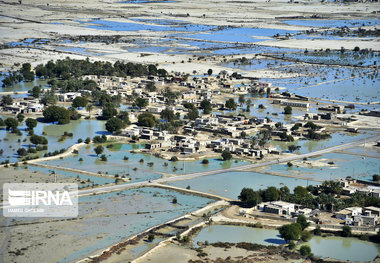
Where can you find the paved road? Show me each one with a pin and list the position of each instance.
(239, 168)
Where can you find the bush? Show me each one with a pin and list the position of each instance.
(150, 237)
(288, 110)
(292, 245)
(305, 236)
(21, 152)
(174, 159)
(103, 158)
(346, 231)
(88, 140)
(226, 155)
(305, 250)
(205, 161)
(317, 231)
(174, 201)
(80, 140)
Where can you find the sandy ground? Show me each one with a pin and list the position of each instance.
(55, 20)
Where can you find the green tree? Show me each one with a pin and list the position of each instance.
(305, 250)
(305, 236)
(124, 116)
(300, 191)
(317, 231)
(79, 102)
(56, 113)
(35, 139)
(35, 92)
(226, 155)
(167, 115)
(2, 122)
(241, 99)
(231, 104)
(11, 123)
(6, 100)
(150, 237)
(206, 106)
(375, 177)
(209, 72)
(249, 197)
(271, 194)
(99, 149)
(108, 111)
(192, 114)
(141, 102)
(20, 117)
(146, 119)
(89, 108)
(22, 152)
(301, 219)
(290, 232)
(288, 110)
(114, 124)
(31, 123)
(346, 231)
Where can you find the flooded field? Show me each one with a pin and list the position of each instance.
(103, 221)
(235, 234)
(344, 248)
(11, 142)
(139, 166)
(230, 184)
(331, 166)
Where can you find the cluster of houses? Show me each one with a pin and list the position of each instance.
(352, 186)
(357, 216)
(24, 106)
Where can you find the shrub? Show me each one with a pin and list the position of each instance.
(305, 236)
(174, 159)
(305, 250)
(205, 161)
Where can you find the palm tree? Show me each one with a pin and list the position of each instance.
(89, 109)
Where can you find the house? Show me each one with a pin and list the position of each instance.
(279, 208)
(348, 212)
(374, 210)
(362, 220)
(295, 104)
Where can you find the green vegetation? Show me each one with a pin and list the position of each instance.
(79, 102)
(206, 106)
(290, 231)
(35, 139)
(301, 219)
(11, 124)
(231, 104)
(346, 231)
(305, 250)
(31, 123)
(114, 124)
(56, 114)
(205, 161)
(99, 149)
(146, 119)
(288, 110)
(226, 155)
(249, 198)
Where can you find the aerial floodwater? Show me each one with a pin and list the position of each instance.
(189, 131)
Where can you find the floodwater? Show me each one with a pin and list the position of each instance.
(230, 184)
(343, 165)
(344, 248)
(80, 129)
(235, 234)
